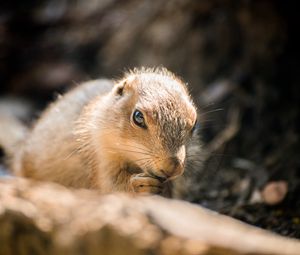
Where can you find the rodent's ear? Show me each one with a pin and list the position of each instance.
(125, 85)
(120, 89)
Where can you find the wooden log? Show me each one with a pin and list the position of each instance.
(45, 218)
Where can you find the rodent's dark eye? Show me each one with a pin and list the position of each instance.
(138, 119)
(195, 127)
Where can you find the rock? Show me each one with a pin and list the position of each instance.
(274, 192)
(45, 218)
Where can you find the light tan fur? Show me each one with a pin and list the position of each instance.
(88, 139)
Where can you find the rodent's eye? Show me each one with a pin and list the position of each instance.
(138, 119)
(195, 127)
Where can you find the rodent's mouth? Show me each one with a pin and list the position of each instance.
(135, 169)
(160, 178)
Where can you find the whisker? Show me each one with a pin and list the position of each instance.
(207, 105)
(211, 111)
(207, 121)
(197, 160)
(136, 147)
(212, 124)
(142, 159)
(147, 164)
(192, 161)
(139, 152)
(209, 154)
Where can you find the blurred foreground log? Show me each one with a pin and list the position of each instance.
(42, 218)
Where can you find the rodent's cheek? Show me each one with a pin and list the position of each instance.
(135, 152)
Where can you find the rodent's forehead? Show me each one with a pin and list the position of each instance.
(176, 111)
(171, 100)
(160, 83)
(164, 97)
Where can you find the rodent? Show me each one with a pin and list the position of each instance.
(133, 135)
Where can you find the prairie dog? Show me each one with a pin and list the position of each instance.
(131, 135)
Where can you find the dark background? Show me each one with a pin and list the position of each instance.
(240, 59)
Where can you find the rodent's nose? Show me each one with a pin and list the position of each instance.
(173, 168)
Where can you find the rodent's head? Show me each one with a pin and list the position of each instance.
(156, 122)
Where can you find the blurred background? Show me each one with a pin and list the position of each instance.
(240, 59)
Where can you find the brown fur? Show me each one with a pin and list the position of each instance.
(87, 137)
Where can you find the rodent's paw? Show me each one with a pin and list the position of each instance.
(143, 183)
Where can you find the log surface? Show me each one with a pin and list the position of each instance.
(45, 218)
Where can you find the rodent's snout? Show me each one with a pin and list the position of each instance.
(172, 166)
(173, 170)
